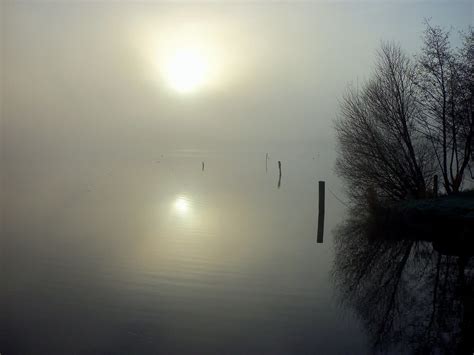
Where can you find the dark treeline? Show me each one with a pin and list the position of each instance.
(411, 120)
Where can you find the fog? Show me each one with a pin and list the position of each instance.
(139, 219)
(79, 80)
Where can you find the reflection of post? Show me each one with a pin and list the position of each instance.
(321, 213)
(435, 186)
(279, 176)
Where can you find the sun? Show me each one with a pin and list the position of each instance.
(187, 69)
(189, 61)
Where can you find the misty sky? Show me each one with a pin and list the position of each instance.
(82, 79)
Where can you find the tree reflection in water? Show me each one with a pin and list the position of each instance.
(410, 297)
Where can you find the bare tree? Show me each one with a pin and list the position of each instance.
(445, 83)
(380, 143)
(467, 78)
(411, 120)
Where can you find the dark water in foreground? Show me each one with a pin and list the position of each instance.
(162, 257)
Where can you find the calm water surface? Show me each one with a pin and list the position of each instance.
(159, 256)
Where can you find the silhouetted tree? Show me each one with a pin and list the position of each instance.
(410, 120)
(379, 137)
(445, 79)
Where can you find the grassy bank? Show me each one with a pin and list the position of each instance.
(446, 221)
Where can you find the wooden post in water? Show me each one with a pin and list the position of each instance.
(321, 212)
(202, 166)
(435, 186)
(279, 176)
(266, 162)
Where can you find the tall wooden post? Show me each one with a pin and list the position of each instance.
(321, 211)
(266, 162)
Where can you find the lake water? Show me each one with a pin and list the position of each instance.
(160, 256)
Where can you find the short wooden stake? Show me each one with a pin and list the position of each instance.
(279, 176)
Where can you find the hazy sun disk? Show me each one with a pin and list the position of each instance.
(195, 56)
(187, 69)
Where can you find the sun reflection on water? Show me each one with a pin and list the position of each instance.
(182, 205)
